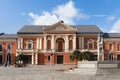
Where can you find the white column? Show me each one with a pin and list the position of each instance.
(18, 43)
(66, 43)
(45, 41)
(82, 42)
(32, 58)
(40, 43)
(74, 42)
(53, 43)
(21, 43)
(36, 58)
(37, 43)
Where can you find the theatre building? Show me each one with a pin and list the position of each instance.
(54, 44)
(45, 44)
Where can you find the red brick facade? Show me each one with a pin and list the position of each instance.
(55, 45)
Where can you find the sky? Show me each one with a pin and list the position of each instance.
(14, 14)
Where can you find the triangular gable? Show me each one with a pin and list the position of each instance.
(59, 27)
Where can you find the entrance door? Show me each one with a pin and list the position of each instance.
(28, 59)
(60, 59)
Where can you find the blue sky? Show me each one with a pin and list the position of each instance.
(14, 14)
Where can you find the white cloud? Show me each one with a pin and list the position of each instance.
(110, 18)
(45, 19)
(116, 27)
(66, 12)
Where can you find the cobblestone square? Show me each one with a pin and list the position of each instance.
(47, 72)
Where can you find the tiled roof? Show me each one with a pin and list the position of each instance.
(31, 29)
(111, 35)
(37, 29)
(87, 29)
(8, 36)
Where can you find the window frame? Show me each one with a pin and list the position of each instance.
(27, 44)
(90, 41)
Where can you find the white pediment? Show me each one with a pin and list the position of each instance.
(59, 27)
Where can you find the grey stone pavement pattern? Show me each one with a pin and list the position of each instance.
(47, 72)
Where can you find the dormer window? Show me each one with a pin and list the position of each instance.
(29, 44)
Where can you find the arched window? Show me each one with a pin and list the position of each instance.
(70, 44)
(90, 44)
(60, 45)
(48, 44)
(29, 44)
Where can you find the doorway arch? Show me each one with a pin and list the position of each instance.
(60, 45)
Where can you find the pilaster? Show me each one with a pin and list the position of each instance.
(45, 41)
(53, 43)
(32, 58)
(21, 43)
(36, 59)
(82, 42)
(66, 43)
(74, 42)
(37, 43)
(40, 43)
(18, 43)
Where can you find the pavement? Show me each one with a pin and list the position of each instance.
(48, 72)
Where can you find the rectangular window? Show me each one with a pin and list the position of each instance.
(29, 46)
(9, 47)
(0, 47)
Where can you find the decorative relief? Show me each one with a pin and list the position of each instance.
(60, 28)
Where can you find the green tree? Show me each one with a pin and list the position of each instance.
(20, 57)
(86, 55)
(75, 56)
